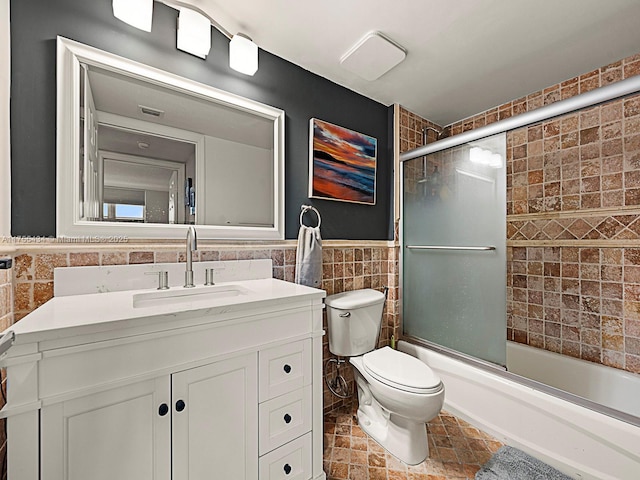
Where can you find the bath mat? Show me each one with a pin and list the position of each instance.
(509, 463)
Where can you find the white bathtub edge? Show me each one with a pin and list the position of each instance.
(612, 387)
(579, 442)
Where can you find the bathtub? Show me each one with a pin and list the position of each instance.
(607, 386)
(578, 441)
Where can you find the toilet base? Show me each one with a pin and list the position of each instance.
(394, 418)
(401, 437)
(404, 439)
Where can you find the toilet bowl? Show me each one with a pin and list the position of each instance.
(397, 393)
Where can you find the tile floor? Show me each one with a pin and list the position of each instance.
(456, 451)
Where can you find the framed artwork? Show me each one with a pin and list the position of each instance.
(342, 164)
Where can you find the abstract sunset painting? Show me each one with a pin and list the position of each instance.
(342, 164)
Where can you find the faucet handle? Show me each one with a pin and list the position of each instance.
(163, 279)
(208, 276)
(210, 272)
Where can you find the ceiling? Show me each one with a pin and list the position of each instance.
(463, 56)
(123, 95)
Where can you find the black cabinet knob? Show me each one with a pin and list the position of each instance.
(180, 405)
(287, 468)
(287, 418)
(163, 409)
(287, 368)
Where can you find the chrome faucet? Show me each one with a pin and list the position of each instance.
(192, 244)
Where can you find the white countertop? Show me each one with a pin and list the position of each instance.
(73, 315)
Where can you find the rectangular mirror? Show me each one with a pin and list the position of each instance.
(142, 152)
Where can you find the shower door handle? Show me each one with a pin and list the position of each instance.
(447, 247)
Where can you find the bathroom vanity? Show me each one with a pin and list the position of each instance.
(221, 381)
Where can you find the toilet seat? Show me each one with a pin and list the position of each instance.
(400, 370)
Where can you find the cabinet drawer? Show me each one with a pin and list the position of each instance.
(289, 462)
(284, 369)
(284, 418)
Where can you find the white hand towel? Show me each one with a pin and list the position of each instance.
(309, 257)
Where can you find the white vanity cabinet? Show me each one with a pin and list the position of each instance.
(229, 391)
(185, 426)
(133, 443)
(215, 420)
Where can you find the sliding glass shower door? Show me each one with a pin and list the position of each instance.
(454, 248)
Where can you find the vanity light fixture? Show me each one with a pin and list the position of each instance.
(243, 54)
(137, 13)
(194, 31)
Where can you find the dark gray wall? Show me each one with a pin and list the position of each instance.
(303, 95)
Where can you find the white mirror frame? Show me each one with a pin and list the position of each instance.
(68, 223)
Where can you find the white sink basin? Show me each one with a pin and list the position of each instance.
(180, 295)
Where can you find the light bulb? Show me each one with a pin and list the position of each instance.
(243, 54)
(194, 33)
(137, 13)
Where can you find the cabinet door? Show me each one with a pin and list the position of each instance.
(118, 433)
(215, 421)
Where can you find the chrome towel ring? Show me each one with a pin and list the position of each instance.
(306, 208)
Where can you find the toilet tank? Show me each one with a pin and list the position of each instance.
(354, 320)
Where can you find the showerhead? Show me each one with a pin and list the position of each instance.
(426, 129)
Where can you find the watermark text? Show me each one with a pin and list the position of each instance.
(21, 240)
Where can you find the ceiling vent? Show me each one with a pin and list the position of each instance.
(373, 56)
(154, 112)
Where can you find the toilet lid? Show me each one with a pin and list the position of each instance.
(400, 370)
(354, 299)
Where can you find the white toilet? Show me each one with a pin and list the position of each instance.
(397, 393)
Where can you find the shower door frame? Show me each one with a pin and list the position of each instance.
(594, 97)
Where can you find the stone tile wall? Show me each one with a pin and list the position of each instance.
(411, 127)
(573, 222)
(578, 301)
(6, 298)
(585, 161)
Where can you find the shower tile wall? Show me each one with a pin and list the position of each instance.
(573, 222)
(346, 266)
(411, 126)
(581, 302)
(573, 206)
